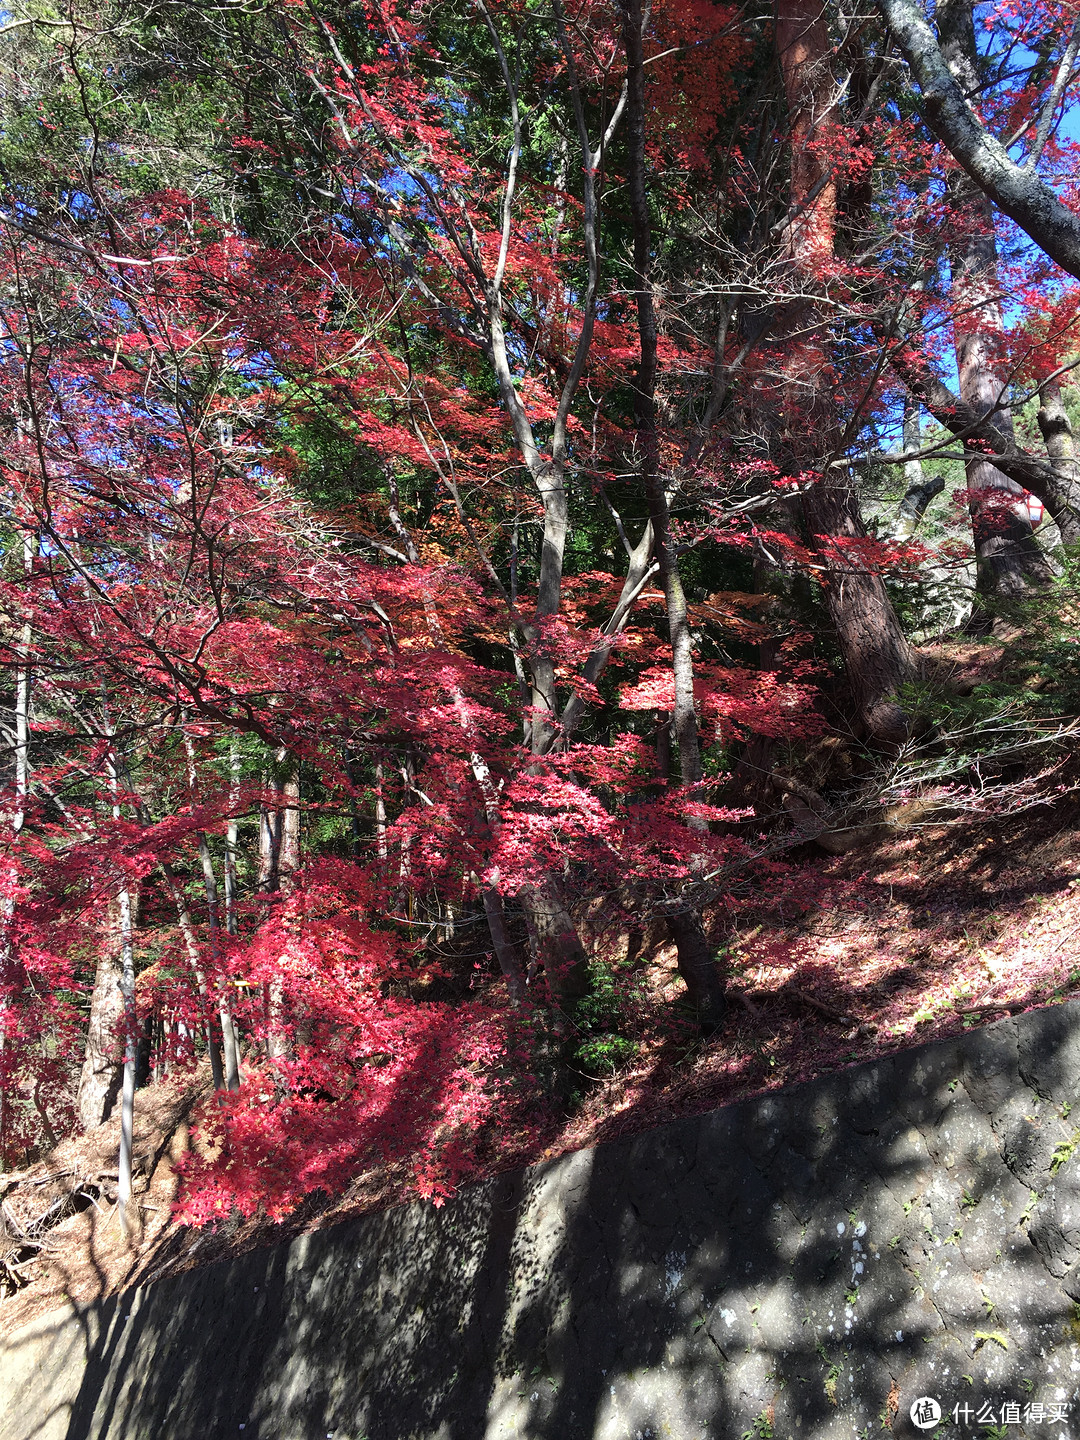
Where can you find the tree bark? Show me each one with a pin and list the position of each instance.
(1008, 559)
(283, 861)
(12, 973)
(229, 1049)
(269, 847)
(920, 491)
(229, 1044)
(505, 949)
(705, 984)
(231, 836)
(1057, 433)
(913, 506)
(1017, 192)
(555, 939)
(1041, 477)
(101, 1076)
(131, 1056)
(877, 657)
(290, 828)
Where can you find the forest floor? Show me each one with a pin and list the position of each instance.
(937, 929)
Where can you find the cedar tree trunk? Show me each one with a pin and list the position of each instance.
(877, 657)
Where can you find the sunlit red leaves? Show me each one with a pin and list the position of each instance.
(734, 703)
(365, 1078)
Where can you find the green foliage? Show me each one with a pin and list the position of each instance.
(1039, 674)
(603, 1018)
(995, 1337)
(760, 1429)
(1016, 716)
(605, 1054)
(1063, 1152)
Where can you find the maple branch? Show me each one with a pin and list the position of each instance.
(506, 209)
(1016, 191)
(589, 226)
(1062, 77)
(639, 572)
(612, 126)
(470, 254)
(74, 248)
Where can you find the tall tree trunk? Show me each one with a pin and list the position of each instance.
(290, 827)
(231, 836)
(279, 859)
(270, 835)
(229, 1045)
(555, 940)
(877, 657)
(112, 1010)
(918, 491)
(12, 974)
(697, 966)
(1007, 556)
(663, 745)
(1057, 432)
(878, 660)
(101, 1076)
(229, 1049)
(129, 1022)
(131, 1057)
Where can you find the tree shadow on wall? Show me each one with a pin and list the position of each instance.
(806, 1263)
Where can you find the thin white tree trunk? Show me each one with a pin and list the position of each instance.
(131, 1040)
(231, 835)
(131, 1051)
(228, 1032)
(10, 968)
(229, 1045)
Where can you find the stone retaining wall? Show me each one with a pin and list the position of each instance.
(802, 1266)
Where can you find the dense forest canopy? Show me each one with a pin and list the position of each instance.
(459, 460)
